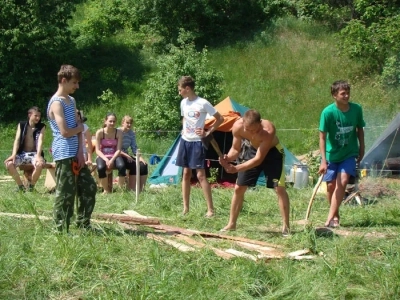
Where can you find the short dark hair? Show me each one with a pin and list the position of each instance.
(68, 72)
(33, 109)
(187, 81)
(339, 85)
(252, 117)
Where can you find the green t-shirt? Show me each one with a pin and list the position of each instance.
(341, 133)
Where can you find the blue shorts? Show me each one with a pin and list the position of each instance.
(347, 166)
(191, 155)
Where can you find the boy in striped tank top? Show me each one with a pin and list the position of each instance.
(67, 148)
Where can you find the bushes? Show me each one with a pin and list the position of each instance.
(161, 108)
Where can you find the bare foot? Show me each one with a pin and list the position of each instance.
(185, 212)
(228, 228)
(209, 214)
(334, 223)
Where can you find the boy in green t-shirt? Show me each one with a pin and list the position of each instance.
(341, 143)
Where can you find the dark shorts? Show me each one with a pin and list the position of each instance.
(191, 155)
(131, 166)
(272, 166)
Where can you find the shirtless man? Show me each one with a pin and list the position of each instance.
(257, 149)
(27, 149)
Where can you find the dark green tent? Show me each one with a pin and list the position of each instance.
(387, 145)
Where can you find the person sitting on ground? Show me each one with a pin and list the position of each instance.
(86, 139)
(129, 141)
(108, 149)
(27, 149)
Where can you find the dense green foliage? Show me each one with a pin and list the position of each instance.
(160, 110)
(34, 39)
(110, 40)
(367, 30)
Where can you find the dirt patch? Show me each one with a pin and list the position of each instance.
(377, 187)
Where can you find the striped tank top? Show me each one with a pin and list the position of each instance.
(62, 147)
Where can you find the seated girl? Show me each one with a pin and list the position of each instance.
(108, 149)
(129, 141)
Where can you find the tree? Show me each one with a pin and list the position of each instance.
(160, 110)
(368, 31)
(34, 42)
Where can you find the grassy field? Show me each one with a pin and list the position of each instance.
(359, 261)
(286, 74)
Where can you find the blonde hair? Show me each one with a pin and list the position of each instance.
(127, 119)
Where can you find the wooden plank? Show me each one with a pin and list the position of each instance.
(191, 232)
(179, 246)
(133, 213)
(50, 180)
(25, 216)
(241, 254)
(298, 253)
(193, 242)
(168, 228)
(267, 252)
(29, 167)
(127, 219)
(304, 257)
(235, 238)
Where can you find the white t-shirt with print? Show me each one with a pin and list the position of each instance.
(194, 115)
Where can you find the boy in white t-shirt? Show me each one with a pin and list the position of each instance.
(191, 153)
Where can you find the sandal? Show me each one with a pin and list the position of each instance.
(334, 223)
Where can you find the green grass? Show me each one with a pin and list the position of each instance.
(287, 76)
(120, 264)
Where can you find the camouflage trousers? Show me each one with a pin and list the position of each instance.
(68, 187)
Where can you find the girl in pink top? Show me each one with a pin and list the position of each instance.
(108, 150)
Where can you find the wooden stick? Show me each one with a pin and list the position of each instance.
(313, 196)
(216, 147)
(350, 197)
(137, 174)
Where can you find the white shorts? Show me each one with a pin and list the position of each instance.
(25, 158)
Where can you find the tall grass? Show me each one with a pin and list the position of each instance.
(287, 76)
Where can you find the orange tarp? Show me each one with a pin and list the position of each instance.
(230, 117)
